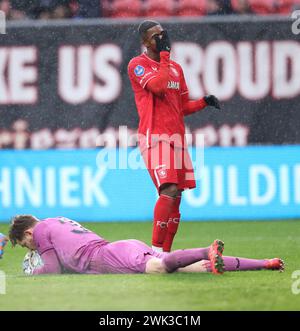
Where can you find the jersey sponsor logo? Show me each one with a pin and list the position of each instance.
(139, 70)
(173, 85)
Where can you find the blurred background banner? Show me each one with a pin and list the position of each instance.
(64, 84)
(249, 183)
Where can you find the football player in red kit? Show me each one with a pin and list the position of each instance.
(162, 101)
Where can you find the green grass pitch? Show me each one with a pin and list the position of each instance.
(253, 290)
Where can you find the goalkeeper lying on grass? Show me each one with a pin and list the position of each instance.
(65, 246)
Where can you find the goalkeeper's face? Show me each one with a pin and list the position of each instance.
(27, 240)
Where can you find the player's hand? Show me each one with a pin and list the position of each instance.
(28, 270)
(32, 261)
(213, 101)
(163, 43)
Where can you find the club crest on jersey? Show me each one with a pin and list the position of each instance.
(139, 70)
(173, 85)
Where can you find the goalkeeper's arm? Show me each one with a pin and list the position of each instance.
(51, 264)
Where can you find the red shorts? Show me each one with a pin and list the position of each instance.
(169, 164)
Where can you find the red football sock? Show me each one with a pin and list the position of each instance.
(162, 211)
(173, 224)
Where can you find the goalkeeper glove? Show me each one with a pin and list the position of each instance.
(27, 268)
(213, 101)
(163, 43)
(32, 261)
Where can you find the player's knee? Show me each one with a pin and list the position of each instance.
(155, 266)
(169, 189)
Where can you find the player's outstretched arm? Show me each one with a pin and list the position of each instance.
(51, 264)
(193, 106)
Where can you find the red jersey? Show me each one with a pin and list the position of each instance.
(158, 115)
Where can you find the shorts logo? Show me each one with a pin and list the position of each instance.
(139, 70)
(162, 173)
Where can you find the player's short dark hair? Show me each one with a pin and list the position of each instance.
(19, 224)
(145, 26)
